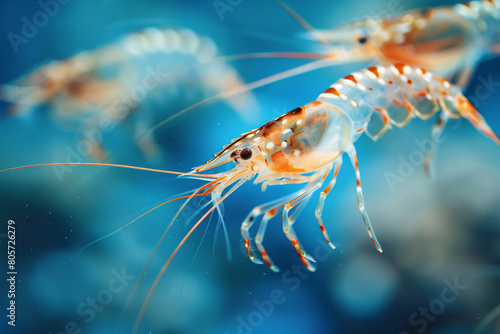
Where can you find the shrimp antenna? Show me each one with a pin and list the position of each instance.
(209, 176)
(302, 22)
(133, 221)
(165, 266)
(210, 187)
(324, 62)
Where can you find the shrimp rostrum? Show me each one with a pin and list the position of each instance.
(306, 146)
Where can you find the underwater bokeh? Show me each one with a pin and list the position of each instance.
(440, 269)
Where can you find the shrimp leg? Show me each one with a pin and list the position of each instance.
(437, 130)
(321, 202)
(351, 151)
(259, 238)
(258, 210)
(287, 223)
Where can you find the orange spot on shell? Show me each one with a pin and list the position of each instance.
(331, 90)
(360, 129)
(399, 67)
(351, 77)
(374, 70)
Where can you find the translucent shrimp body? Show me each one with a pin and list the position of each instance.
(306, 144)
(109, 84)
(449, 40)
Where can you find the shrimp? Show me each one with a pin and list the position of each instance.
(108, 85)
(449, 41)
(306, 146)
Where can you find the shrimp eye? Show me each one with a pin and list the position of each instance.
(362, 40)
(246, 154)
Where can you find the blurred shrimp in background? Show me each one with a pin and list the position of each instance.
(131, 80)
(439, 272)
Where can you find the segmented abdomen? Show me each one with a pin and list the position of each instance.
(379, 96)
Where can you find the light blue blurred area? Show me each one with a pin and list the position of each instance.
(433, 231)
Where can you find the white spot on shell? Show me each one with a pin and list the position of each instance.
(256, 139)
(381, 81)
(250, 135)
(286, 131)
(299, 122)
(407, 70)
(349, 82)
(255, 168)
(371, 75)
(343, 96)
(284, 121)
(270, 145)
(361, 87)
(296, 153)
(381, 69)
(284, 144)
(354, 103)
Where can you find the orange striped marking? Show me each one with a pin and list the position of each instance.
(351, 77)
(331, 90)
(374, 70)
(399, 67)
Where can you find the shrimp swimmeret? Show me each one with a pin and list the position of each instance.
(306, 145)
